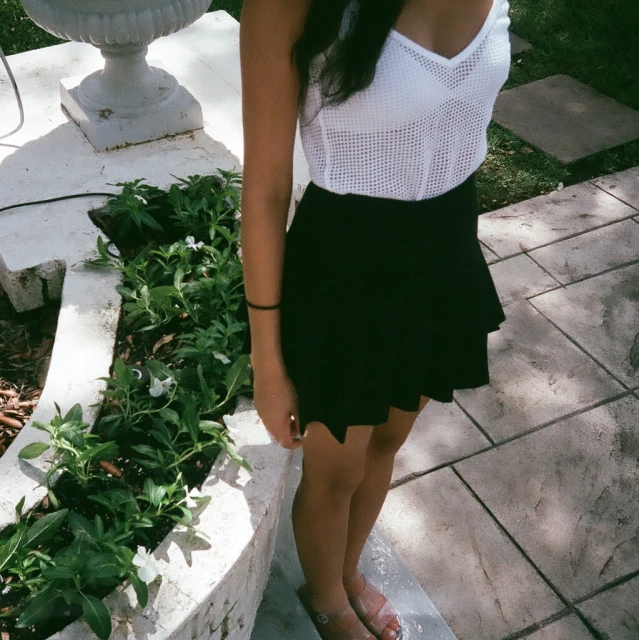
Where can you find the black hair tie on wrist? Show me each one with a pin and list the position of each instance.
(261, 307)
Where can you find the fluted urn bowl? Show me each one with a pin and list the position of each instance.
(128, 101)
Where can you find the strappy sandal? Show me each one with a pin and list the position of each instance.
(340, 626)
(375, 611)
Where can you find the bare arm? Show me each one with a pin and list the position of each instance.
(270, 86)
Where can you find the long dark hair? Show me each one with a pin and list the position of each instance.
(350, 64)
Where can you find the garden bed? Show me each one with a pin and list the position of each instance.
(176, 377)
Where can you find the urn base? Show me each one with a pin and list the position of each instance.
(113, 127)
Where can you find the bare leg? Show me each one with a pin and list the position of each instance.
(331, 474)
(368, 500)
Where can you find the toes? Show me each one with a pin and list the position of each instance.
(391, 631)
(392, 625)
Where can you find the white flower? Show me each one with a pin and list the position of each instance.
(147, 571)
(140, 198)
(560, 186)
(221, 357)
(193, 493)
(191, 244)
(160, 387)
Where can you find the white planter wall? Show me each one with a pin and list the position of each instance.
(210, 590)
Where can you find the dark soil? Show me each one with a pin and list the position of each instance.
(26, 341)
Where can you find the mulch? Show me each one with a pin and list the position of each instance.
(26, 341)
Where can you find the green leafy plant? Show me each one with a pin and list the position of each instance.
(63, 581)
(73, 450)
(134, 205)
(160, 419)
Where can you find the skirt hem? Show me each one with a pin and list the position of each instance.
(383, 303)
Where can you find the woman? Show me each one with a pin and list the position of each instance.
(378, 297)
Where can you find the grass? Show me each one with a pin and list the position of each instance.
(18, 33)
(593, 41)
(232, 6)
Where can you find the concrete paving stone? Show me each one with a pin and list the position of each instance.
(442, 432)
(536, 375)
(602, 315)
(591, 253)
(489, 255)
(566, 118)
(567, 494)
(518, 45)
(555, 216)
(569, 628)
(623, 185)
(615, 613)
(484, 588)
(520, 277)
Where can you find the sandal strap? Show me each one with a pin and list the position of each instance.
(336, 626)
(336, 623)
(379, 614)
(375, 610)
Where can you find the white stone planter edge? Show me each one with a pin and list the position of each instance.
(211, 591)
(82, 353)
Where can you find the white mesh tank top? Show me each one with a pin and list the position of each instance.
(419, 129)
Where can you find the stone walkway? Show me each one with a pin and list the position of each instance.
(524, 492)
(516, 506)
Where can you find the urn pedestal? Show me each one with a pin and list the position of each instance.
(128, 101)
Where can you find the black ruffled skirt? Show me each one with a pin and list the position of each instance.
(383, 301)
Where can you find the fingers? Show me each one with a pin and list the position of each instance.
(290, 437)
(288, 442)
(292, 445)
(295, 431)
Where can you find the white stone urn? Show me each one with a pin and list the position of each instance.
(128, 101)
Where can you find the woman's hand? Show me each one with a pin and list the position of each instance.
(276, 403)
